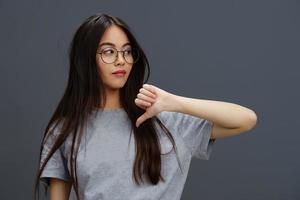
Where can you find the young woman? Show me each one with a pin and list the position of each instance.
(87, 150)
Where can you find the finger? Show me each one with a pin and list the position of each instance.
(145, 98)
(149, 88)
(142, 107)
(148, 93)
(142, 102)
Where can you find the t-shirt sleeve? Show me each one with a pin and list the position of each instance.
(56, 166)
(194, 131)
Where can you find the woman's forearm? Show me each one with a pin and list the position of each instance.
(225, 114)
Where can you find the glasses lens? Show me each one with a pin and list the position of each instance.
(109, 55)
(131, 55)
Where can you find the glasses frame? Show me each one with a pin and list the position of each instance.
(116, 58)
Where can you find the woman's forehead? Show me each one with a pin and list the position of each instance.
(114, 36)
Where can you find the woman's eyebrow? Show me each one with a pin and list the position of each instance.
(111, 44)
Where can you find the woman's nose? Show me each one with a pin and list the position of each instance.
(120, 58)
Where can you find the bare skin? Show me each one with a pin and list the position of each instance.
(118, 40)
(59, 189)
(229, 119)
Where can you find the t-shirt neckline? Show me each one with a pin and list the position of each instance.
(109, 109)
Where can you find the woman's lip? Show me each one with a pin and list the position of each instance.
(120, 74)
(121, 71)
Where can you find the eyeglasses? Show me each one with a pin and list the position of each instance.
(110, 55)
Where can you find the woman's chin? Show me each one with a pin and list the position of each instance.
(115, 86)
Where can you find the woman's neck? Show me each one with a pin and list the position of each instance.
(112, 99)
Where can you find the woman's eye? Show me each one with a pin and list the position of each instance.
(128, 52)
(109, 51)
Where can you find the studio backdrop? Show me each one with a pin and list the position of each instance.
(244, 52)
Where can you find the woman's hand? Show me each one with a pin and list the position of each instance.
(153, 100)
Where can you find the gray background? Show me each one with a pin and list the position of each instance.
(244, 52)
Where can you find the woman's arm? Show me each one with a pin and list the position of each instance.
(59, 189)
(229, 118)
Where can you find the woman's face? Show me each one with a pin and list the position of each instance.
(117, 39)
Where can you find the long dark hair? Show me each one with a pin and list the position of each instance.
(84, 92)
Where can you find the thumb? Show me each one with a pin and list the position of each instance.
(141, 119)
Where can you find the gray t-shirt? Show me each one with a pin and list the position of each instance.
(106, 156)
